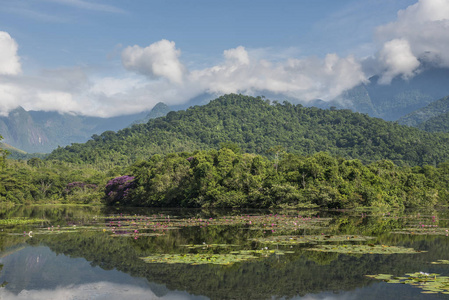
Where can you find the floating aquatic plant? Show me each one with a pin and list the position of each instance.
(424, 230)
(441, 262)
(198, 259)
(364, 249)
(206, 246)
(429, 283)
(21, 221)
(306, 239)
(264, 251)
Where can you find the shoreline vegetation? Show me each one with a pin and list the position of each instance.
(260, 155)
(228, 178)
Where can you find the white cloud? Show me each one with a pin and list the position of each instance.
(237, 56)
(9, 95)
(160, 59)
(161, 76)
(303, 79)
(398, 59)
(89, 5)
(9, 60)
(420, 33)
(421, 30)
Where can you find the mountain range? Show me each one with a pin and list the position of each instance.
(41, 132)
(258, 125)
(418, 102)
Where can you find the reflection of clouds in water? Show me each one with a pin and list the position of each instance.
(330, 296)
(97, 291)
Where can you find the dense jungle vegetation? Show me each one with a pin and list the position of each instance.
(38, 181)
(257, 125)
(241, 151)
(228, 178)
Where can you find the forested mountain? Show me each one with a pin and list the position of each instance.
(39, 131)
(159, 110)
(431, 111)
(438, 123)
(257, 125)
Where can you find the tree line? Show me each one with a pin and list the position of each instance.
(229, 178)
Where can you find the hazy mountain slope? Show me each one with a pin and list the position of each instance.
(159, 110)
(401, 97)
(439, 123)
(15, 153)
(39, 131)
(433, 110)
(256, 126)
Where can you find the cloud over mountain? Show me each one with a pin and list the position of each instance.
(160, 59)
(420, 32)
(9, 59)
(157, 72)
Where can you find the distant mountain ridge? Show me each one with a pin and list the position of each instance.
(35, 131)
(422, 115)
(41, 132)
(398, 99)
(159, 110)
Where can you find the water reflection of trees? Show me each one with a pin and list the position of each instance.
(290, 275)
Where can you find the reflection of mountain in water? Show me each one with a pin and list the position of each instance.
(39, 273)
(289, 276)
(86, 261)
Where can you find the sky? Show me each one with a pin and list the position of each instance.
(108, 58)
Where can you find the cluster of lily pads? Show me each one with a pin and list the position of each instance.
(198, 258)
(270, 222)
(364, 249)
(424, 230)
(277, 230)
(21, 221)
(430, 283)
(311, 239)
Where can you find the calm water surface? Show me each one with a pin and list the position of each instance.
(96, 253)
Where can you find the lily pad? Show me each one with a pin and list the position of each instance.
(264, 252)
(426, 230)
(306, 239)
(441, 262)
(365, 249)
(21, 221)
(198, 259)
(206, 246)
(430, 283)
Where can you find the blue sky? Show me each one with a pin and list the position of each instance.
(89, 57)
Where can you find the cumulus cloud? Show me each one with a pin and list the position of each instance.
(303, 79)
(155, 73)
(159, 75)
(9, 60)
(160, 59)
(419, 34)
(398, 59)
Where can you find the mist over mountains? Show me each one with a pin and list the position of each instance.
(39, 131)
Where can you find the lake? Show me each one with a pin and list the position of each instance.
(65, 252)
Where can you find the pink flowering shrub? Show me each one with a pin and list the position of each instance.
(117, 190)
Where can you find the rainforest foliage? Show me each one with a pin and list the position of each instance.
(173, 161)
(229, 178)
(41, 182)
(257, 125)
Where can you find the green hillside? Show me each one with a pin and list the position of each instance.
(438, 123)
(431, 111)
(257, 125)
